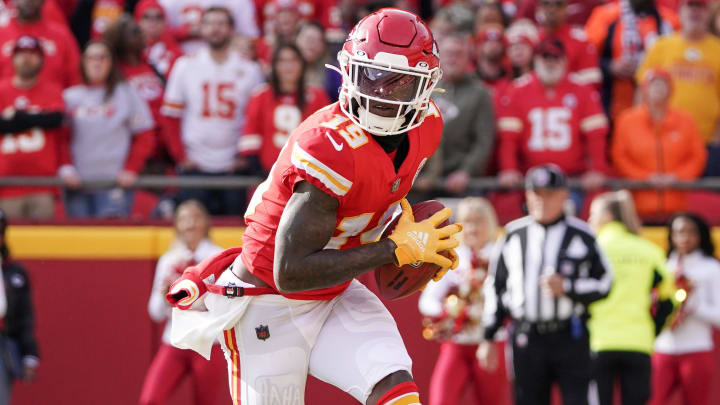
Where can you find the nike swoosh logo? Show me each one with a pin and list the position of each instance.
(338, 147)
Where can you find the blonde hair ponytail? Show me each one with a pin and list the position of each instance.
(621, 207)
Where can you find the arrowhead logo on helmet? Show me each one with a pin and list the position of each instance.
(389, 66)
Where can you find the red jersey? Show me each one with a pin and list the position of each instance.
(332, 153)
(62, 56)
(147, 84)
(162, 54)
(565, 125)
(582, 58)
(269, 120)
(37, 151)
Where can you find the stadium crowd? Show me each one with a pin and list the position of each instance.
(108, 90)
(625, 89)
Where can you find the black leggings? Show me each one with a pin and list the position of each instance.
(631, 368)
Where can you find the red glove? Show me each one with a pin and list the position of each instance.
(190, 286)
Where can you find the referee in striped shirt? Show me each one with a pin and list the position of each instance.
(543, 274)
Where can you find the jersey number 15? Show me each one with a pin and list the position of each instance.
(218, 100)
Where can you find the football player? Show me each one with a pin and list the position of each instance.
(291, 305)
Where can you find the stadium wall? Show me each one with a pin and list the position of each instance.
(90, 289)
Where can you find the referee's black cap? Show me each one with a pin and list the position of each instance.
(545, 176)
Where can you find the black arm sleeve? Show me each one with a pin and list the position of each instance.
(22, 121)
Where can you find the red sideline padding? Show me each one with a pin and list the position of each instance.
(96, 339)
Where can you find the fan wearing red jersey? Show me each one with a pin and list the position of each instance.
(316, 223)
(35, 144)
(546, 117)
(61, 54)
(582, 58)
(278, 108)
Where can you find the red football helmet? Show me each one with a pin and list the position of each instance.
(390, 66)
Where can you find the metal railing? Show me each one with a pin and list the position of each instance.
(230, 182)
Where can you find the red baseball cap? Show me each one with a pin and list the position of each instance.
(27, 43)
(145, 5)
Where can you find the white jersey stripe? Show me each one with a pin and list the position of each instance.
(327, 176)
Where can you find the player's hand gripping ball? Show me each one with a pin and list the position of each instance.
(425, 249)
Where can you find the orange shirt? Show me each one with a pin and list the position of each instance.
(642, 147)
(606, 20)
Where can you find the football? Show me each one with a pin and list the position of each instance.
(395, 282)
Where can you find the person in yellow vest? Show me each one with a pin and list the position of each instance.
(622, 327)
(692, 57)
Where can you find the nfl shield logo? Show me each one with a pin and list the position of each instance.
(262, 332)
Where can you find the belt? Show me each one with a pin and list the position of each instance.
(232, 291)
(544, 327)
